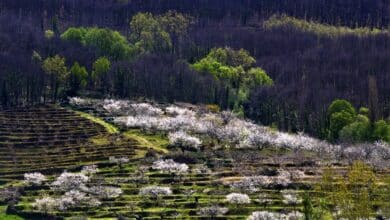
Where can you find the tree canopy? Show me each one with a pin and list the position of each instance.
(108, 42)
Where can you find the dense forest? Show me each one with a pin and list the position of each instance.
(280, 63)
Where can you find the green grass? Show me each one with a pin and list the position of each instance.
(99, 140)
(320, 28)
(4, 216)
(156, 142)
(109, 127)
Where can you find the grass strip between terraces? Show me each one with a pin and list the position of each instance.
(109, 127)
(4, 216)
(151, 141)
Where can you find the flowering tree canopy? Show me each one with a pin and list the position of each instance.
(155, 191)
(184, 141)
(170, 166)
(69, 181)
(34, 178)
(238, 198)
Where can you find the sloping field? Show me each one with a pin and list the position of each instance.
(53, 139)
(48, 139)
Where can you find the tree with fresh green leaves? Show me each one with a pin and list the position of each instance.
(257, 76)
(176, 25)
(75, 34)
(78, 77)
(338, 121)
(158, 33)
(357, 192)
(339, 105)
(236, 67)
(354, 195)
(364, 111)
(313, 209)
(100, 66)
(55, 67)
(147, 33)
(357, 131)
(108, 42)
(49, 34)
(230, 57)
(345, 125)
(341, 113)
(381, 131)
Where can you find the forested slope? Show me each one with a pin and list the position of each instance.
(309, 70)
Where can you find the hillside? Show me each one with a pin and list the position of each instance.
(201, 109)
(271, 175)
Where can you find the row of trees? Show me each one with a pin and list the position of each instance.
(70, 81)
(148, 33)
(348, 125)
(372, 13)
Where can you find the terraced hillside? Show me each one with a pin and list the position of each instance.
(48, 139)
(53, 139)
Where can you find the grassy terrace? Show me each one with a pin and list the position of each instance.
(51, 139)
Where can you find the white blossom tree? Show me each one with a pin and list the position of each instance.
(155, 191)
(106, 192)
(115, 107)
(184, 141)
(170, 166)
(76, 198)
(264, 215)
(213, 211)
(119, 160)
(34, 178)
(90, 170)
(238, 198)
(175, 111)
(45, 204)
(293, 216)
(70, 181)
(146, 109)
(291, 197)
